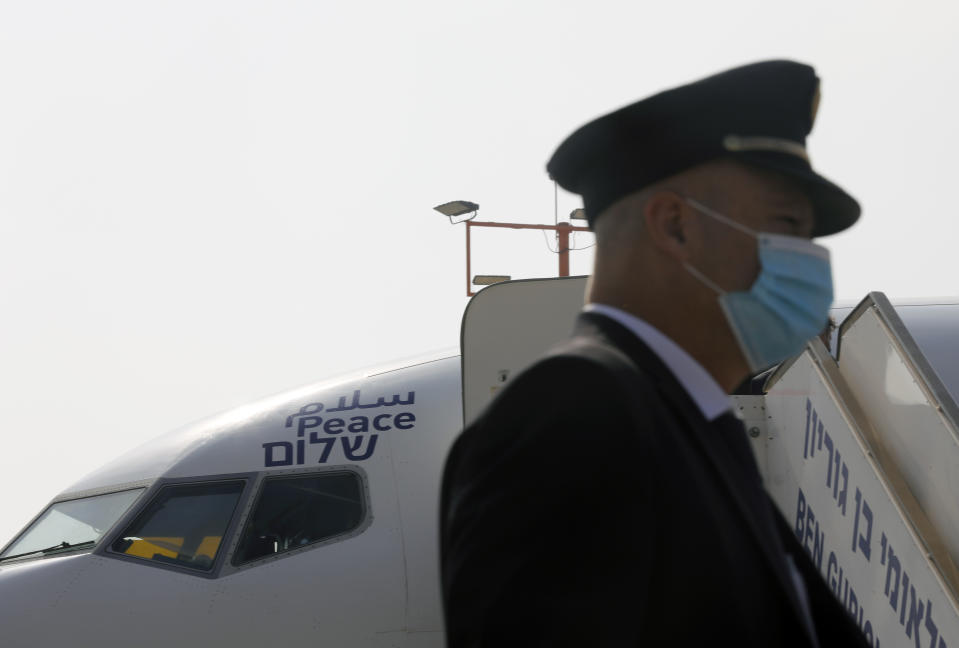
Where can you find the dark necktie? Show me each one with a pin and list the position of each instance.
(733, 434)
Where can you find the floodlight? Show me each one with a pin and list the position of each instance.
(489, 280)
(578, 214)
(457, 208)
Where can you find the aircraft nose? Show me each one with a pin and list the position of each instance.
(32, 594)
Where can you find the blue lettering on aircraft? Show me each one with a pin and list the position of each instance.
(345, 437)
(913, 610)
(813, 539)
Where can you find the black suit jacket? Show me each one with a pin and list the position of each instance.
(592, 505)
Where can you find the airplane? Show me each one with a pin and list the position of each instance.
(310, 518)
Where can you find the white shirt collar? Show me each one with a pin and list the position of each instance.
(701, 387)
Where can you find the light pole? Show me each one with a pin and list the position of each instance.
(458, 208)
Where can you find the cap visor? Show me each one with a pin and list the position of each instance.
(834, 209)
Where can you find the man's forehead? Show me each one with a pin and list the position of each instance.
(778, 196)
(779, 185)
(743, 183)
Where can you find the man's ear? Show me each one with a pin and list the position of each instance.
(668, 220)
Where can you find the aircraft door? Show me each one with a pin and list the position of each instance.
(507, 326)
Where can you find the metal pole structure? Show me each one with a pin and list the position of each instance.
(562, 235)
(563, 229)
(469, 280)
(571, 228)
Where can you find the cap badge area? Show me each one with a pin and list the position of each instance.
(740, 143)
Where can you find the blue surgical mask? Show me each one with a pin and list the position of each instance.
(786, 306)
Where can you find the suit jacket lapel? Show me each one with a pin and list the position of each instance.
(702, 437)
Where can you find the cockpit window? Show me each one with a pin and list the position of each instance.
(183, 525)
(293, 512)
(72, 524)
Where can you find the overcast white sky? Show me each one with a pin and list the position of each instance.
(202, 203)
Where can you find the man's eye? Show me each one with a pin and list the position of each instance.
(792, 223)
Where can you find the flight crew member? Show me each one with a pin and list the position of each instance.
(608, 496)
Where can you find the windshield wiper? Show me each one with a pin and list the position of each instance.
(59, 547)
